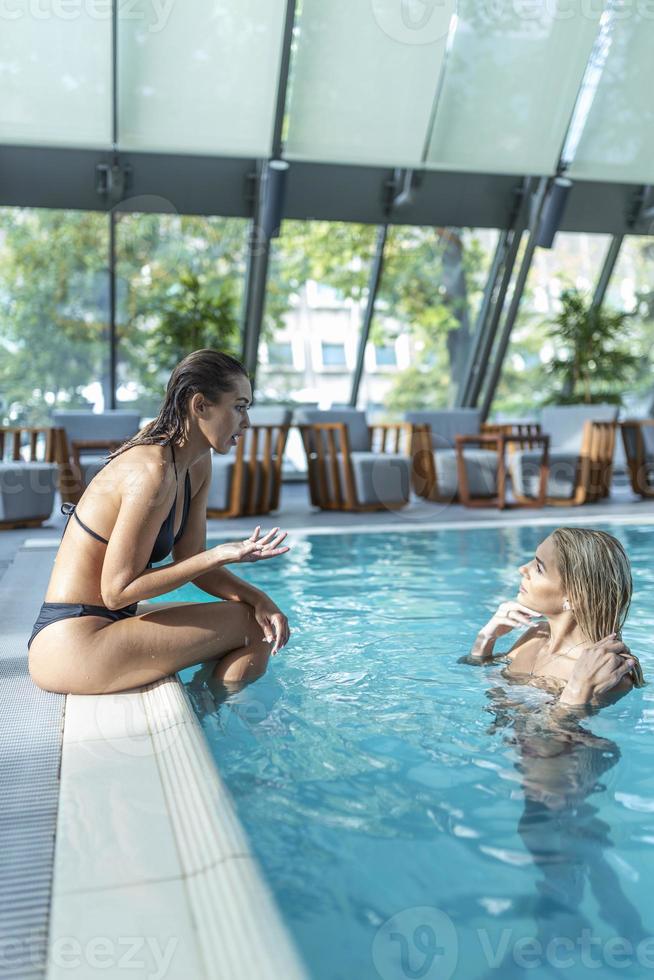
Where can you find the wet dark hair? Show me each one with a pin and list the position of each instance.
(208, 371)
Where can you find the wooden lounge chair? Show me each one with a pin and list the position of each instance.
(353, 466)
(638, 441)
(582, 441)
(29, 474)
(249, 481)
(435, 466)
(504, 440)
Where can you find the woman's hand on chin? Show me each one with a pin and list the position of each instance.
(509, 616)
(600, 668)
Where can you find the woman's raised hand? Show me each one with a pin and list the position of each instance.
(509, 616)
(600, 667)
(254, 548)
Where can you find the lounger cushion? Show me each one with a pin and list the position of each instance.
(266, 415)
(447, 424)
(270, 415)
(222, 476)
(27, 490)
(119, 424)
(355, 421)
(524, 467)
(565, 423)
(80, 424)
(481, 470)
(379, 478)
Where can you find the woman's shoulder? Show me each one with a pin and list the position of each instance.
(531, 640)
(138, 470)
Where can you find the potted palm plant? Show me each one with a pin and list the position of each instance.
(592, 362)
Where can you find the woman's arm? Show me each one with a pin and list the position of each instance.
(508, 616)
(216, 581)
(125, 578)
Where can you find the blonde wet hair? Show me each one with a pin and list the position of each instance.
(596, 578)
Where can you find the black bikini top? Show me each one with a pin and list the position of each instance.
(166, 537)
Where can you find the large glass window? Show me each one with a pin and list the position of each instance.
(617, 139)
(429, 295)
(55, 73)
(199, 77)
(54, 311)
(527, 380)
(180, 286)
(511, 66)
(315, 300)
(364, 76)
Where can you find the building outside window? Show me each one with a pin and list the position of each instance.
(280, 353)
(385, 356)
(333, 355)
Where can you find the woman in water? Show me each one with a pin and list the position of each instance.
(91, 635)
(579, 583)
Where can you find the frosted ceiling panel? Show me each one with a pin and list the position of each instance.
(199, 76)
(511, 81)
(617, 141)
(363, 79)
(55, 74)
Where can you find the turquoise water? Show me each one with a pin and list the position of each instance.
(419, 817)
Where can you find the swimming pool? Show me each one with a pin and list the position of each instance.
(418, 817)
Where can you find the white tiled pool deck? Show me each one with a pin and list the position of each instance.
(152, 871)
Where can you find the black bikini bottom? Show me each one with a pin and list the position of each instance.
(51, 612)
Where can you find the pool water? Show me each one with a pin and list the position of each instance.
(420, 817)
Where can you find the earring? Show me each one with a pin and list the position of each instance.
(566, 605)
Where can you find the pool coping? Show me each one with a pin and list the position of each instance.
(150, 851)
(412, 526)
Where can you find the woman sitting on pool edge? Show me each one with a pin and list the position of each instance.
(579, 581)
(91, 636)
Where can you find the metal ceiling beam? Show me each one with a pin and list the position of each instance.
(53, 177)
(481, 326)
(373, 288)
(502, 344)
(256, 275)
(491, 326)
(607, 271)
(282, 81)
(495, 296)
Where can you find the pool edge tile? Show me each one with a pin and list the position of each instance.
(224, 880)
(113, 825)
(111, 778)
(105, 716)
(127, 922)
